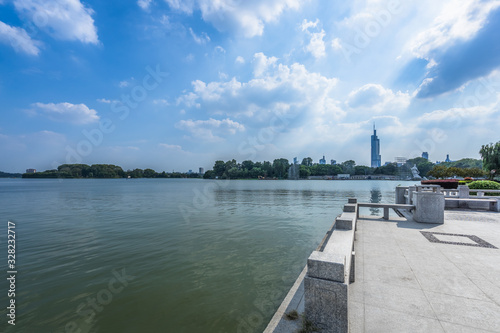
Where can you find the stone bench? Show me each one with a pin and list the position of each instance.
(386, 207)
(464, 202)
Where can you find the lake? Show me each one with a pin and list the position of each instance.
(164, 255)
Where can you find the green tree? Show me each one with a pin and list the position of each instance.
(348, 166)
(362, 170)
(307, 161)
(268, 168)
(439, 171)
(280, 167)
(491, 158)
(150, 173)
(219, 168)
(247, 165)
(304, 171)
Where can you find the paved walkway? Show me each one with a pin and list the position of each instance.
(414, 277)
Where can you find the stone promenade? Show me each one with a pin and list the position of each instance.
(414, 277)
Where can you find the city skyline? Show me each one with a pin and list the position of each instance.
(173, 85)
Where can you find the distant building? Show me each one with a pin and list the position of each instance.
(322, 161)
(30, 170)
(447, 158)
(425, 155)
(333, 162)
(400, 160)
(202, 171)
(190, 171)
(376, 158)
(295, 160)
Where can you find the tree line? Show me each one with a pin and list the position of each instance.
(278, 169)
(104, 171)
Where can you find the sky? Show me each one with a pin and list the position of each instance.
(177, 84)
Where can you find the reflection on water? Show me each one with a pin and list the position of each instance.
(375, 197)
(208, 256)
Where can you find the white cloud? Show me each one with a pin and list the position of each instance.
(125, 83)
(316, 44)
(78, 114)
(171, 147)
(62, 19)
(239, 60)
(104, 100)
(186, 6)
(376, 98)
(459, 20)
(262, 63)
(211, 129)
(336, 45)
(309, 24)
(161, 101)
(457, 115)
(203, 39)
(144, 4)
(18, 38)
(245, 17)
(276, 89)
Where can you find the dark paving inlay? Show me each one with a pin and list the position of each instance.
(478, 242)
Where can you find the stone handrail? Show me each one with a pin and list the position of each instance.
(329, 273)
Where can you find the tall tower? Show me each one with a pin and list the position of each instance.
(376, 158)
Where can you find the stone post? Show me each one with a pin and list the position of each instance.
(400, 194)
(326, 292)
(429, 207)
(411, 190)
(463, 191)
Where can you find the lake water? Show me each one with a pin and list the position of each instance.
(163, 255)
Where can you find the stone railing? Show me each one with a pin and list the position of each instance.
(329, 273)
(453, 198)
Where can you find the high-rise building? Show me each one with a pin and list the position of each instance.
(425, 155)
(376, 158)
(202, 171)
(322, 161)
(447, 158)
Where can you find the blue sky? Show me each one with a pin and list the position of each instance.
(176, 85)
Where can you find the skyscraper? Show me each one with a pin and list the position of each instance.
(376, 158)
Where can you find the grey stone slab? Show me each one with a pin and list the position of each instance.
(396, 276)
(356, 316)
(381, 320)
(449, 282)
(465, 311)
(386, 259)
(344, 223)
(408, 300)
(455, 328)
(326, 266)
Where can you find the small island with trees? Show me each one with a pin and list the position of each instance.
(69, 171)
